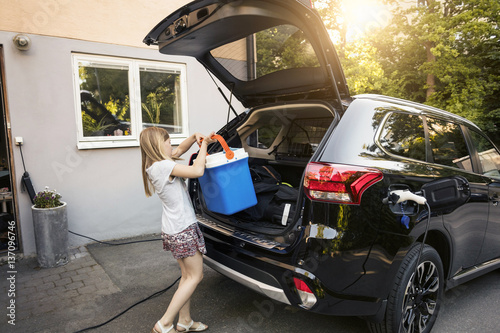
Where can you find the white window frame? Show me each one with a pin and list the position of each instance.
(136, 125)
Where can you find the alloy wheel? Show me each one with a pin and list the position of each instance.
(421, 298)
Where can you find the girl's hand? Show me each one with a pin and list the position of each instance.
(197, 169)
(199, 138)
(208, 139)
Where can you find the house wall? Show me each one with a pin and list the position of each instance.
(103, 187)
(111, 21)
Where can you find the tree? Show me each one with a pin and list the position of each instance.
(283, 47)
(333, 18)
(445, 54)
(363, 72)
(362, 68)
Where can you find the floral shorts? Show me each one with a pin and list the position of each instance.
(185, 243)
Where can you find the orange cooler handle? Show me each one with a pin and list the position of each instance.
(229, 152)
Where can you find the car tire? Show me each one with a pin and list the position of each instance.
(422, 296)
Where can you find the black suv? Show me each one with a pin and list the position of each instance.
(368, 205)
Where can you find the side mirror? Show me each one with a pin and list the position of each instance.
(446, 194)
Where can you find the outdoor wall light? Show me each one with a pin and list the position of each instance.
(22, 42)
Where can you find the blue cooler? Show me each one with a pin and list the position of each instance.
(226, 184)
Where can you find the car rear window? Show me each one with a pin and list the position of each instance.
(448, 144)
(403, 135)
(267, 51)
(488, 155)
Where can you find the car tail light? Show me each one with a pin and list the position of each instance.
(306, 295)
(338, 183)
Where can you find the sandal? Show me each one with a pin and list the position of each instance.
(187, 328)
(163, 329)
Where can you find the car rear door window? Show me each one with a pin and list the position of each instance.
(488, 155)
(448, 144)
(403, 135)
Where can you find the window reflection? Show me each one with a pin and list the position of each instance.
(161, 99)
(105, 100)
(277, 48)
(488, 155)
(403, 135)
(448, 144)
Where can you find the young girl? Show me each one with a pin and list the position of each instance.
(180, 232)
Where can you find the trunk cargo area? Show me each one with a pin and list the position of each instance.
(280, 142)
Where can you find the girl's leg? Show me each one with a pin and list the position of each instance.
(185, 311)
(192, 274)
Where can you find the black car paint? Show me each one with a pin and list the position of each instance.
(463, 230)
(372, 246)
(492, 234)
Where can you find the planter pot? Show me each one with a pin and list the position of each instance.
(51, 235)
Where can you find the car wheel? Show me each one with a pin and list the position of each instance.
(416, 296)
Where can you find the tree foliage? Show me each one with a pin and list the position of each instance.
(283, 47)
(363, 72)
(441, 53)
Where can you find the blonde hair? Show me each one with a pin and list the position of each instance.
(152, 141)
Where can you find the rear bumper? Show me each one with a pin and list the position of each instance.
(270, 291)
(274, 279)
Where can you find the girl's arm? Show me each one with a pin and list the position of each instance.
(186, 144)
(197, 168)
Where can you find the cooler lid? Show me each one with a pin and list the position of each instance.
(220, 159)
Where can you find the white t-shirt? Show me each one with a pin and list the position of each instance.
(178, 213)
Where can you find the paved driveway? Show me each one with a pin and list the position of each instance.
(101, 283)
(231, 308)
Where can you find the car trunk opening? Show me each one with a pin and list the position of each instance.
(280, 142)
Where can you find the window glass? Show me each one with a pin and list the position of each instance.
(264, 136)
(118, 97)
(448, 144)
(488, 155)
(403, 135)
(303, 137)
(105, 100)
(160, 99)
(277, 48)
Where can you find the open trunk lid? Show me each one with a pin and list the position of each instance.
(262, 51)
